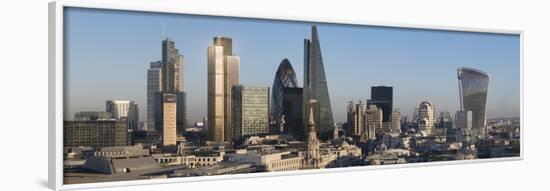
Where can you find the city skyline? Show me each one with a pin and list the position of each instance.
(86, 93)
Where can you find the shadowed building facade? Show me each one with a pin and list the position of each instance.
(154, 85)
(223, 74)
(382, 97)
(473, 86)
(315, 87)
(292, 109)
(172, 79)
(250, 106)
(285, 77)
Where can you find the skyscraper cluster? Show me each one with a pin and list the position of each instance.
(255, 128)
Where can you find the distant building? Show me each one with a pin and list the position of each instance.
(396, 121)
(223, 73)
(250, 111)
(154, 85)
(169, 118)
(292, 111)
(445, 121)
(172, 67)
(374, 121)
(109, 165)
(269, 161)
(124, 108)
(285, 77)
(173, 80)
(463, 120)
(92, 115)
(97, 134)
(382, 97)
(356, 119)
(316, 87)
(426, 118)
(474, 85)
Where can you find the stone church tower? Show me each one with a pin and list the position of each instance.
(312, 157)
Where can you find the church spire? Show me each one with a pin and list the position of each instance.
(311, 123)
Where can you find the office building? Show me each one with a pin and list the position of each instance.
(285, 77)
(444, 121)
(154, 85)
(356, 119)
(396, 121)
(92, 115)
(473, 86)
(374, 120)
(124, 109)
(463, 120)
(172, 80)
(223, 73)
(316, 87)
(426, 118)
(169, 109)
(382, 97)
(292, 111)
(250, 111)
(172, 67)
(95, 133)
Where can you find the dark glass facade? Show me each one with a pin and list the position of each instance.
(95, 133)
(292, 109)
(382, 97)
(285, 77)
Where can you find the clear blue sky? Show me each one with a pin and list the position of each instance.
(107, 54)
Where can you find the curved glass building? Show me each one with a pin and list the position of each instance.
(473, 86)
(285, 77)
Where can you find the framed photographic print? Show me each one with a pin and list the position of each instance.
(156, 95)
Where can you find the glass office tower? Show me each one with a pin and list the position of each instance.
(473, 87)
(250, 111)
(223, 73)
(285, 77)
(382, 97)
(315, 87)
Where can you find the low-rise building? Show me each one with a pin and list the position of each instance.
(270, 161)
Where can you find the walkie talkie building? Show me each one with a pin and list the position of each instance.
(473, 86)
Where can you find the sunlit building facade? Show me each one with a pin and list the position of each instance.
(169, 108)
(223, 73)
(356, 119)
(124, 109)
(426, 118)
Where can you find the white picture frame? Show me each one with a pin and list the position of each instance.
(55, 90)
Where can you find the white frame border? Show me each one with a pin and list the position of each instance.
(55, 91)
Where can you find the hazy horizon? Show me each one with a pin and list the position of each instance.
(107, 54)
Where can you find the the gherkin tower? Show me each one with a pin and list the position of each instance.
(315, 87)
(284, 78)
